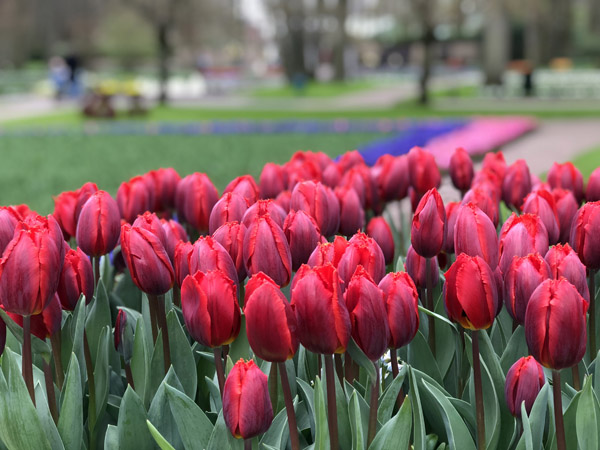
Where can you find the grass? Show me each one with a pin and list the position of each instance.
(587, 162)
(35, 168)
(317, 90)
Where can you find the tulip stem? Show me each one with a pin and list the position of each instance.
(219, 368)
(558, 412)
(430, 305)
(96, 269)
(331, 405)
(373, 407)
(55, 340)
(161, 317)
(91, 386)
(592, 287)
(248, 444)
(152, 301)
(50, 391)
(395, 371)
(339, 367)
(272, 384)
(575, 374)
(27, 362)
(348, 367)
(478, 392)
(289, 407)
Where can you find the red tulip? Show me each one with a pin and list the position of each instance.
(485, 202)
(99, 225)
(270, 320)
(174, 233)
(461, 169)
(391, 177)
(585, 230)
(519, 236)
(349, 160)
(360, 179)
(452, 210)
(147, 260)
(83, 194)
(194, 200)
(542, 204)
(475, 235)
(31, 264)
(123, 339)
(361, 251)
(555, 324)
(303, 236)
(524, 275)
(273, 180)
(317, 292)
(76, 278)
(566, 176)
(230, 208)
(150, 222)
(46, 323)
(208, 254)
(164, 185)
(246, 403)
(524, 381)
(319, 201)
(181, 260)
(352, 214)
(262, 208)
(564, 262)
(231, 236)
(402, 306)
(592, 192)
(379, 230)
(489, 181)
(423, 171)
(266, 250)
(416, 268)
(566, 208)
(495, 163)
(332, 175)
(210, 308)
(64, 212)
(516, 184)
(134, 198)
(244, 186)
(284, 199)
(428, 228)
(328, 252)
(8, 222)
(470, 293)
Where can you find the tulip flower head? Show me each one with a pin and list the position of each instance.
(475, 235)
(592, 192)
(364, 251)
(262, 208)
(524, 381)
(516, 184)
(244, 186)
(423, 171)
(328, 252)
(564, 262)
(134, 197)
(402, 305)
(303, 235)
(273, 180)
(76, 279)
(391, 177)
(320, 202)
(230, 208)
(519, 236)
(99, 225)
(416, 268)
(381, 232)
(461, 169)
(64, 212)
(585, 234)
(45, 324)
(566, 176)
(566, 209)
(542, 204)
(9, 219)
(194, 200)
(174, 233)
(352, 214)
(231, 236)
(428, 229)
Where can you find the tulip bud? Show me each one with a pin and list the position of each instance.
(194, 200)
(423, 171)
(566, 208)
(64, 212)
(461, 169)
(262, 208)
(147, 260)
(31, 265)
(495, 163)
(332, 175)
(164, 184)
(470, 293)
(303, 235)
(519, 236)
(361, 251)
(360, 179)
(328, 252)
(428, 228)
(516, 184)
(99, 225)
(244, 186)
(452, 210)
(564, 262)
(231, 236)
(230, 208)
(402, 306)
(270, 320)
(349, 160)
(524, 275)
(391, 177)
(485, 202)
(380, 231)
(174, 233)
(541, 203)
(210, 308)
(352, 214)
(317, 292)
(83, 194)
(592, 192)
(566, 176)
(149, 221)
(267, 250)
(368, 316)
(555, 324)
(247, 406)
(416, 268)
(181, 257)
(524, 381)
(8, 221)
(273, 180)
(585, 230)
(76, 278)
(133, 198)
(475, 235)
(284, 199)
(319, 201)
(46, 323)
(123, 336)
(489, 182)
(208, 254)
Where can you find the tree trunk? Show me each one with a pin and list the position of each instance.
(560, 32)
(164, 51)
(533, 51)
(495, 42)
(427, 40)
(340, 47)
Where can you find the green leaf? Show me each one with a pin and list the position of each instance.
(160, 411)
(570, 421)
(38, 347)
(79, 329)
(111, 438)
(182, 357)
(515, 349)
(322, 429)
(193, 425)
(343, 416)
(221, 438)
(459, 436)
(358, 435)
(240, 347)
(46, 420)
(98, 317)
(215, 394)
(420, 357)
(537, 418)
(70, 421)
(388, 399)
(101, 372)
(526, 441)
(160, 440)
(276, 436)
(359, 357)
(399, 264)
(140, 362)
(597, 376)
(132, 428)
(395, 433)
(307, 394)
(587, 417)
(419, 440)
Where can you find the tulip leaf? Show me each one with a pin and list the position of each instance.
(359, 357)
(276, 436)
(515, 349)
(395, 433)
(388, 399)
(46, 420)
(459, 436)
(111, 438)
(160, 411)
(126, 293)
(537, 417)
(70, 422)
(526, 441)
(132, 431)
(193, 425)
(240, 347)
(157, 366)
(182, 357)
(97, 317)
(140, 364)
(78, 324)
(321, 424)
(343, 416)
(570, 420)
(221, 438)
(419, 439)
(215, 394)
(587, 417)
(101, 372)
(597, 376)
(307, 394)
(356, 423)
(38, 347)
(399, 264)
(160, 440)
(420, 357)
(20, 425)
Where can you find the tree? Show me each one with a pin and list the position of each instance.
(496, 40)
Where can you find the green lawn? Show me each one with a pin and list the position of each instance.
(587, 162)
(312, 89)
(35, 168)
